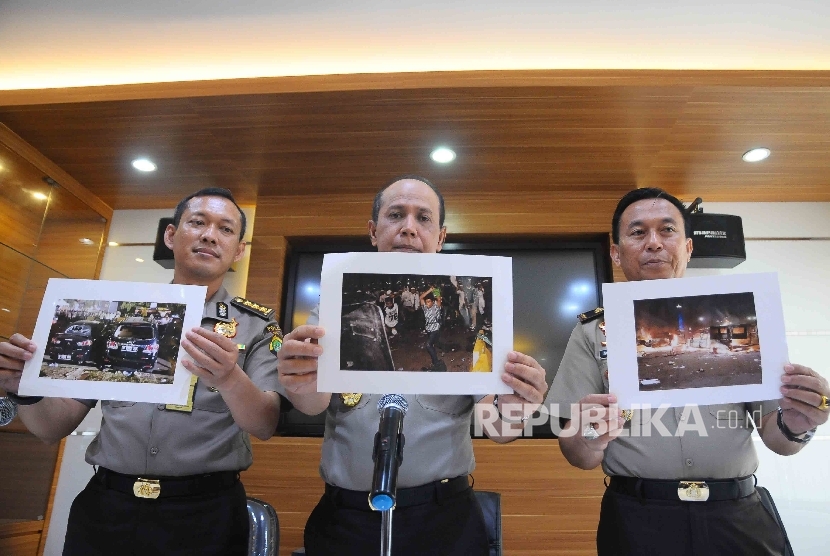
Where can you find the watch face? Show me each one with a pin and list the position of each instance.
(8, 411)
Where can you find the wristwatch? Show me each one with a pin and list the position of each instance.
(8, 411)
(802, 438)
(505, 419)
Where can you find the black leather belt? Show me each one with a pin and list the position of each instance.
(166, 487)
(414, 496)
(687, 491)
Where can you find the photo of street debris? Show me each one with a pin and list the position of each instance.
(697, 341)
(113, 341)
(413, 322)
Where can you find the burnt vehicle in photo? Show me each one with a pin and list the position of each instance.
(133, 344)
(82, 342)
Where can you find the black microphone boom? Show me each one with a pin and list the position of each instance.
(388, 452)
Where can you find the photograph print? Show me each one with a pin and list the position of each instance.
(113, 341)
(697, 341)
(416, 323)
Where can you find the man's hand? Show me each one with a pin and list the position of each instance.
(214, 356)
(601, 420)
(802, 391)
(527, 378)
(13, 355)
(297, 359)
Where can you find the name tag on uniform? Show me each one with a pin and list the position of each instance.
(188, 407)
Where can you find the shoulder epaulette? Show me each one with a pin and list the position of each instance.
(251, 307)
(588, 316)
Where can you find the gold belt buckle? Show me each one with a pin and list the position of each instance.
(147, 488)
(693, 491)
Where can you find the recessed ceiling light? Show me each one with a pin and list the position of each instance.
(139, 260)
(143, 164)
(39, 196)
(442, 155)
(5, 310)
(756, 155)
(113, 244)
(86, 241)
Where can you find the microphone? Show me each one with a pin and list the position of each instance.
(388, 452)
(8, 411)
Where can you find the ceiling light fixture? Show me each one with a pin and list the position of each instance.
(113, 244)
(5, 310)
(39, 196)
(756, 155)
(144, 164)
(86, 241)
(442, 155)
(139, 260)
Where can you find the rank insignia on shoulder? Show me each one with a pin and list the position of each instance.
(222, 310)
(591, 315)
(251, 307)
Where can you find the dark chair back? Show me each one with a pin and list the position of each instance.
(490, 503)
(264, 537)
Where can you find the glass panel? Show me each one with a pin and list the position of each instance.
(71, 237)
(23, 201)
(13, 280)
(33, 296)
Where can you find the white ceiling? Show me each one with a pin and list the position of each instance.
(64, 43)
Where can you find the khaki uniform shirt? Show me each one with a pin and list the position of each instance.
(725, 452)
(436, 431)
(151, 441)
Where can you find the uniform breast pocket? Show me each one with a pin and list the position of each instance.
(117, 405)
(732, 415)
(206, 400)
(449, 405)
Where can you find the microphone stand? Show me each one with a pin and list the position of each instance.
(388, 455)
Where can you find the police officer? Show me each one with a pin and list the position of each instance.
(167, 479)
(677, 493)
(436, 512)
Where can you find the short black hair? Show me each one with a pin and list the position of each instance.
(210, 192)
(379, 196)
(647, 193)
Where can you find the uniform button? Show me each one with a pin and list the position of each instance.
(160, 407)
(690, 462)
(155, 451)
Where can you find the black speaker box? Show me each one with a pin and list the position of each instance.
(718, 241)
(161, 254)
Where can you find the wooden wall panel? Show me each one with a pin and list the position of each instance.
(20, 538)
(31, 464)
(548, 507)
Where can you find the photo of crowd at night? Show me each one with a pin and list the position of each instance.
(697, 341)
(413, 322)
(113, 341)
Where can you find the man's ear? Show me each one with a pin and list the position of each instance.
(689, 249)
(442, 237)
(373, 228)
(168, 236)
(240, 251)
(615, 254)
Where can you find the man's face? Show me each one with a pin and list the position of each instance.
(429, 302)
(408, 219)
(206, 242)
(653, 242)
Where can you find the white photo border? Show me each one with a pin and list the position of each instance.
(623, 377)
(330, 378)
(32, 384)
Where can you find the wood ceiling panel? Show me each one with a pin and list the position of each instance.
(600, 131)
